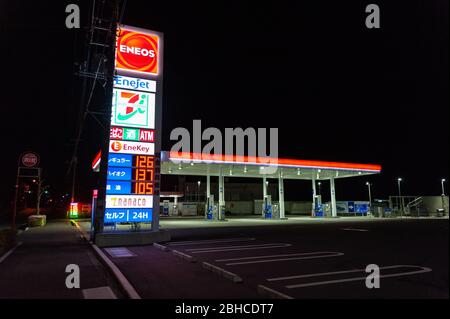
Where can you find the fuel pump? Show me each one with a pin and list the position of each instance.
(267, 207)
(318, 210)
(210, 207)
(166, 205)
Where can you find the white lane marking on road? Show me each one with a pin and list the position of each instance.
(233, 248)
(99, 293)
(355, 229)
(207, 241)
(272, 293)
(326, 255)
(327, 282)
(9, 252)
(273, 256)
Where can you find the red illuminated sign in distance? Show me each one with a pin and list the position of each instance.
(30, 159)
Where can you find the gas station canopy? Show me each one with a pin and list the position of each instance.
(173, 163)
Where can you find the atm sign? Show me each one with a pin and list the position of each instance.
(132, 134)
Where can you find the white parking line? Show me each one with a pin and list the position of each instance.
(355, 229)
(270, 256)
(272, 293)
(327, 282)
(9, 252)
(99, 293)
(208, 241)
(324, 255)
(233, 248)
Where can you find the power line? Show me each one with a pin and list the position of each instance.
(97, 16)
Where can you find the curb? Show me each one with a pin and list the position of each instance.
(81, 230)
(222, 272)
(267, 292)
(184, 256)
(118, 275)
(123, 281)
(161, 247)
(9, 252)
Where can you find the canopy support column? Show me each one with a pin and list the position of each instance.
(333, 198)
(314, 197)
(281, 194)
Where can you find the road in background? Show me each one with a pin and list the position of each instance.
(36, 269)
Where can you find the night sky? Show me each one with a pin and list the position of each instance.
(336, 90)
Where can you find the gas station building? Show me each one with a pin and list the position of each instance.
(222, 166)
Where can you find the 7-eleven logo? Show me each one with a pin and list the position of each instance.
(134, 105)
(133, 109)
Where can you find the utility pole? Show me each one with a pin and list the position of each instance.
(108, 51)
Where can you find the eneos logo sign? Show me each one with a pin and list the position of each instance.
(137, 51)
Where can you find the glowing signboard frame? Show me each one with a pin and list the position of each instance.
(132, 178)
(138, 51)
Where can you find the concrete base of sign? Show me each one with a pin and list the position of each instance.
(131, 238)
(36, 220)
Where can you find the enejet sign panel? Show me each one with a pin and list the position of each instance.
(125, 82)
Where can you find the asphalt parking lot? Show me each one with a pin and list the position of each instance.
(297, 260)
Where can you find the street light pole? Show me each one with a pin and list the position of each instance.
(399, 180)
(443, 195)
(370, 198)
(370, 192)
(16, 194)
(38, 200)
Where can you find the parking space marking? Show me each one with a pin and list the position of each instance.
(327, 282)
(99, 293)
(233, 248)
(272, 293)
(355, 229)
(279, 255)
(298, 256)
(119, 252)
(208, 241)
